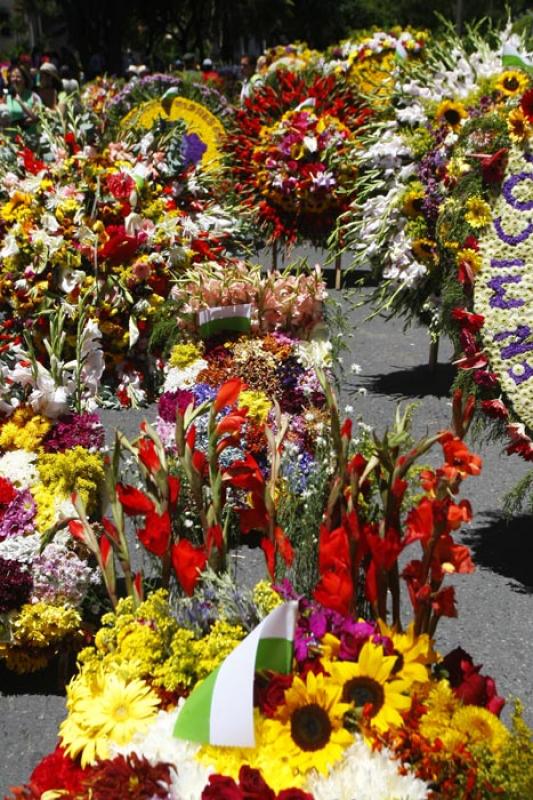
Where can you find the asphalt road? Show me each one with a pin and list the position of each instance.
(495, 622)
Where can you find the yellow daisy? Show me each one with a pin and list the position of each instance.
(478, 212)
(371, 686)
(413, 653)
(518, 126)
(512, 82)
(451, 113)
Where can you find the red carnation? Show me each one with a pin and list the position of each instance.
(272, 694)
(221, 788)
(294, 794)
(120, 185)
(467, 683)
(57, 771)
(253, 786)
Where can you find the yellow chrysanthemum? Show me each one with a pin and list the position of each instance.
(370, 685)
(104, 707)
(265, 598)
(512, 82)
(480, 726)
(451, 113)
(257, 403)
(184, 354)
(413, 653)
(478, 212)
(25, 430)
(518, 126)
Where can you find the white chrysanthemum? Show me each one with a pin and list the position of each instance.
(21, 548)
(20, 467)
(178, 378)
(159, 744)
(366, 775)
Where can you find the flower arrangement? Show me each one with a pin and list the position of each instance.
(408, 168)
(484, 230)
(291, 153)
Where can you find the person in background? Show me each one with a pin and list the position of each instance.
(190, 68)
(248, 63)
(49, 84)
(209, 73)
(20, 101)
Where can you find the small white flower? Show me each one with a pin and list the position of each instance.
(355, 369)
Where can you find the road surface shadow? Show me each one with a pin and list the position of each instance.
(417, 381)
(504, 546)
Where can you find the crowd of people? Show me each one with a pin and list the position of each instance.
(25, 84)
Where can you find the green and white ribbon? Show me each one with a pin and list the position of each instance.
(220, 710)
(512, 58)
(225, 318)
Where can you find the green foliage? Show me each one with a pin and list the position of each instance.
(510, 773)
(165, 331)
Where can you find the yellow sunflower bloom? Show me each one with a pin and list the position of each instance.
(412, 203)
(371, 686)
(518, 126)
(469, 258)
(478, 212)
(451, 113)
(512, 82)
(425, 250)
(414, 653)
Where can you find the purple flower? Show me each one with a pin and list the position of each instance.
(171, 402)
(192, 149)
(203, 392)
(75, 430)
(15, 585)
(59, 576)
(19, 516)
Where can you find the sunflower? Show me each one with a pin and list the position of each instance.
(413, 653)
(480, 727)
(512, 82)
(469, 258)
(308, 728)
(412, 203)
(424, 250)
(478, 212)
(372, 687)
(452, 113)
(518, 126)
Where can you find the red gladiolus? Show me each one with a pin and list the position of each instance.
(268, 548)
(105, 550)
(474, 322)
(245, 475)
(199, 462)
(230, 423)
(173, 489)
(335, 590)
(190, 437)
(443, 603)
(148, 455)
(495, 408)
(110, 529)
(188, 562)
(132, 500)
(228, 394)
(333, 549)
(155, 536)
(457, 454)
(450, 557)
(493, 167)
(76, 530)
(284, 546)
(215, 538)
(346, 430)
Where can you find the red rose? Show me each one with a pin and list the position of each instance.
(272, 694)
(253, 786)
(468, 684)
(294, 794)
(221, 788)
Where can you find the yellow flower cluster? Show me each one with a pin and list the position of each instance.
(257, 403)
(184, 354)
(25, 430)
(35, 631)
(147, 641)
(457, 725)
(63, 473)
(265, 598)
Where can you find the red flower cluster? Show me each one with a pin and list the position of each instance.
(251, 786)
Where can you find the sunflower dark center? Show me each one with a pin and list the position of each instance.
(364, 692)
(452, 116)
(310, 727)
(417, 204)
(511, 84)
